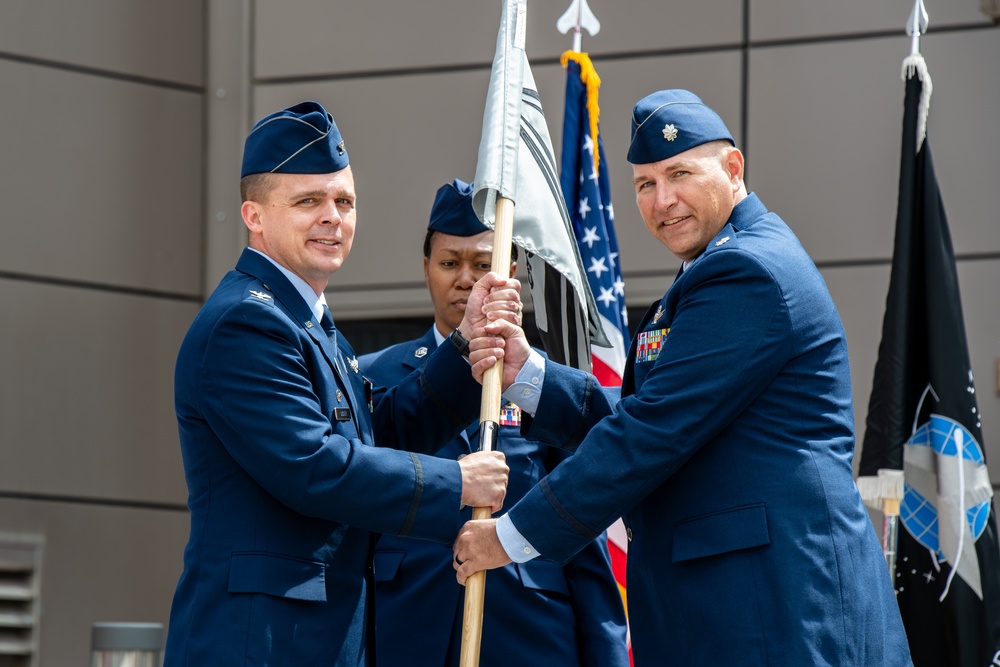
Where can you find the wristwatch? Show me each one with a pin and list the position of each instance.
(458, 340)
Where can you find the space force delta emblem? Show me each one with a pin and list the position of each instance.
(649, 343)
(510, 415)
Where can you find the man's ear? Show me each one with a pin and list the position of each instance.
(251, 215)
(734, 166)
(513, 269)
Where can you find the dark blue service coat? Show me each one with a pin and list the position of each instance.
(730, 456)
(536, 613)
(285, 484)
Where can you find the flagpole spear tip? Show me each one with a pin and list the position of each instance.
(578, 18)
(916, 25)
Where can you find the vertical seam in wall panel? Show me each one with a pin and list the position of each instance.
(251, 60)
(745, 78)
(206, 100)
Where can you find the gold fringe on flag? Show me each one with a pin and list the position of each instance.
(593, 83)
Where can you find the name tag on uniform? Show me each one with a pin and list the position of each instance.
(342, 414)
(649, 344)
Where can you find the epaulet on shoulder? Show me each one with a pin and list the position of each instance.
(260, 296)
(724, 240)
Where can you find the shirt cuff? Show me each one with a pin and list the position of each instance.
(526, 390)
(518, 549)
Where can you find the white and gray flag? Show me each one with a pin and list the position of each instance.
(516, 161)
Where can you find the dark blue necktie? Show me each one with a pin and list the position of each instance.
(327, 322)
(331, 331)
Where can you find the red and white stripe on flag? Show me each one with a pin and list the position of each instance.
(587, 191)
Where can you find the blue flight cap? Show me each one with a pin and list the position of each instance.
(302, 139)
(452, 211)
(669, 122)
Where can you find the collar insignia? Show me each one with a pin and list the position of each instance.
(420, 352)
(354, 364)
(263, 296)
(723, 240)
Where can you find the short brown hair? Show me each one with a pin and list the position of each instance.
(256, 187)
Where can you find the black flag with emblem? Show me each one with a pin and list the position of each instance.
(923, 418)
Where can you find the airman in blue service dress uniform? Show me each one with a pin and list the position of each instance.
(285, 483)
(536, 613)
(730, 450)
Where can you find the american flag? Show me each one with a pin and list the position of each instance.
(588, 198)
(585, 187)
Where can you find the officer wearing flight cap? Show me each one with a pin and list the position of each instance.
(729, 453)
(536, 613)
(278, 428)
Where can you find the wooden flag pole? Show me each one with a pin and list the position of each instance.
(489, 423)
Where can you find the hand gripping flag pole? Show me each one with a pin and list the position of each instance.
(516, 163)
(500, 140)
(489, 420)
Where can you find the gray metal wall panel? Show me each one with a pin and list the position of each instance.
(100, 564)
(781, 19)
(103, 180)
(825, 124)
(86, 406)
(823, 150)
(301, 37)
(160, 40)
(647, 25)
(860, 293)
(963, 130)
(310, 37)
(978, 281)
